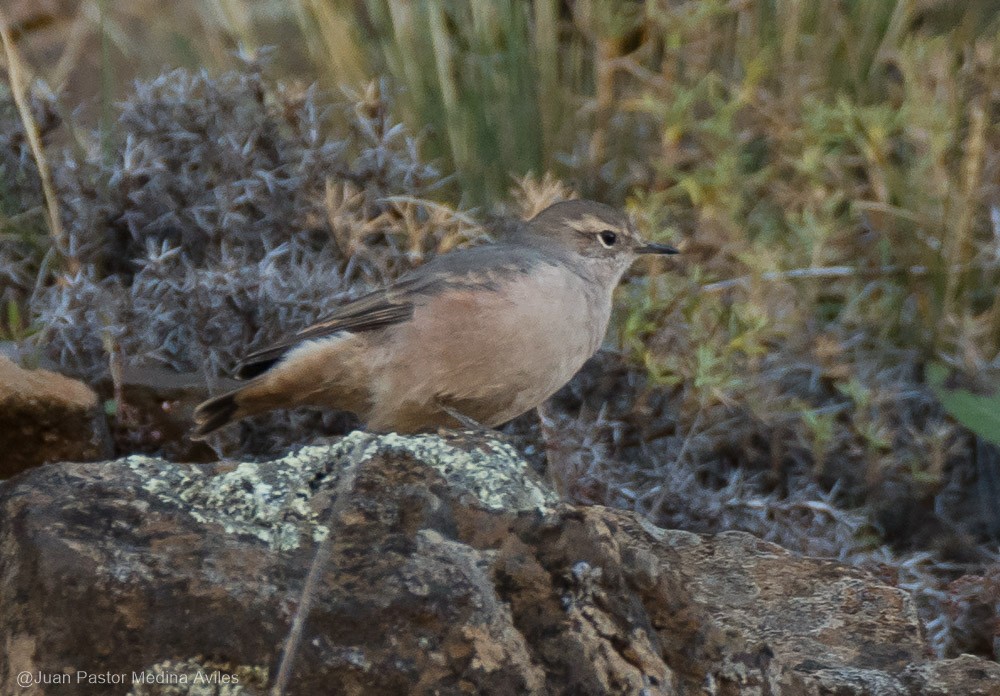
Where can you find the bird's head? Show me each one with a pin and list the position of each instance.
(602, 240)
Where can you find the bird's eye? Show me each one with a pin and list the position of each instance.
(608, 238)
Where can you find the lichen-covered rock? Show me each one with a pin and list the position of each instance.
(451, 570)
(46, 417)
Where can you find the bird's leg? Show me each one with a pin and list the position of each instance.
(555, 450)
(471, 424)
(462, 419)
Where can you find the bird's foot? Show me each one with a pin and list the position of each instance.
(471, 425)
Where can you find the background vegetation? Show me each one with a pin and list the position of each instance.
(830, 169)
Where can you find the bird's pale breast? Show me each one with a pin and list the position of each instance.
(491, 355)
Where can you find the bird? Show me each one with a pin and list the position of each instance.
(472, 338)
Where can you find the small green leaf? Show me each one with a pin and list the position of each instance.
(13, 317)
(977, 412)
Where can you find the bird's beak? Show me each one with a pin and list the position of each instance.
(650, 248)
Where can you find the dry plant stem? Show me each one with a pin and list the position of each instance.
(332, 37)
(319, 564)
(685, 446)
(116, 366)
(692, 431)
(829, 272)
(824, 272)
(448, 210)
(14, 68)
(957, 244)
(553, 456)
(444, 64)
(546, 41)
(604, 79)
(70, 58)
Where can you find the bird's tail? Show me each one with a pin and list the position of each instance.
(325, 375)
(215, 413)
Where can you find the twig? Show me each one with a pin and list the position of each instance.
(14, 69)
(692, 431)
(958, 244)
(679, 459)
(604, 95)
(823, 272)
(838, 272)
(319, 564)
(454, 214)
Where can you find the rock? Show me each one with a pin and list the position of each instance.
(46, 417)
(451, 570)
(966, 675)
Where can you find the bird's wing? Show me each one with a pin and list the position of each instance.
(478, 267)
(375, 310)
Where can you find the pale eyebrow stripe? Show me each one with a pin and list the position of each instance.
(592, 223)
